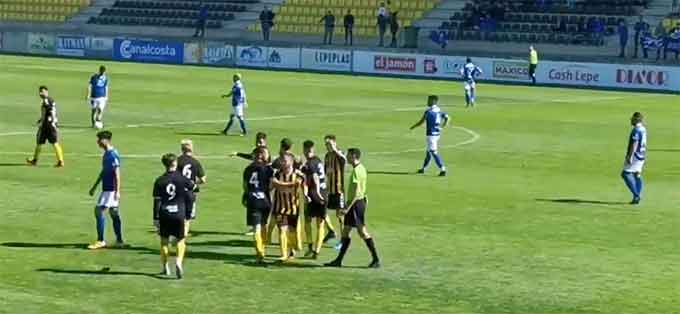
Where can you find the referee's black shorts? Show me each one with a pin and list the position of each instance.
(355, 217)
(532, 69)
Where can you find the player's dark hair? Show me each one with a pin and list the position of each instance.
(168, 159)
(259, 152)
(260, 136)
(432, 99)
(468, 60)
(104, 135)
(637, 117)
(42, 88)
(354, 152)
(308, 144)
(286, 144)
(102, 69)
(329, 137)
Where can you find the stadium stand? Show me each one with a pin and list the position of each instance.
(541, 21)
(40, 10)
(169, 13)
(303, 16)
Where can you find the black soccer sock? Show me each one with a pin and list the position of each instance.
(345, 245)
(371, 247)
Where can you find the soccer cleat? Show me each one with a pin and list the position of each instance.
(374, 264)
(334, 263)
(442, 174)
(315, 255)
(121, 245)
(165, 271)
(249, 233)
(31, 162)
(97, 245)
(420, 171)
(330, 235)
(179, 272)
(635, 201)
(60, 164)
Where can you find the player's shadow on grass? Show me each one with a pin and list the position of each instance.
(665, 150)
(578, 201)
(200, 133)
(102, 272)
(28, 245)
(392, 173)
(231, 243)
(12, 164)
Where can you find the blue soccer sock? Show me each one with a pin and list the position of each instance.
(467, 97)
(229, 124)
(629, 179)
(117, 224)
(438, 161)
(101, 223)
(472, 96)
(428, 158)
(638, 184)
(242, 122)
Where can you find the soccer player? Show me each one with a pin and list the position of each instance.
(109, 198)
(315, 177)
(434, 120)
(238, 103)
(256, 179)
(334, 162)
(98, 93)
(260, 141)
(469, 72)
(355, 211)
(48, 130)
(286, 187)
(192, 169)
(171, 207)
(286, 148)
(635, 157)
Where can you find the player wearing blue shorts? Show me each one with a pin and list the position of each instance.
(109, 198)
(469, 72)
(434, 119)
(238, 104)
(635, 157)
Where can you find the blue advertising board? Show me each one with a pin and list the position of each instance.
(148, 51)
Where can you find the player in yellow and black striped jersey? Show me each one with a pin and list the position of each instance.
(334, 162)
(47, 128)
(287, 185)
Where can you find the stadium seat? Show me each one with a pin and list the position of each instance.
(40, 11)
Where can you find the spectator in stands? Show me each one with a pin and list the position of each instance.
(266, 22)
(202, 19)
(622, 30)
(597, 29)
(348, 22)
(328, 21)
(383, 20)
(394, 28)
(641, 27)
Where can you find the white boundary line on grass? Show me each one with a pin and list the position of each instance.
(474, 136)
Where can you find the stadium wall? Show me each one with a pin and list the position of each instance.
(351, 61)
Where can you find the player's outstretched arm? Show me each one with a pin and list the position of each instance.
(446, 120)
(419, 123)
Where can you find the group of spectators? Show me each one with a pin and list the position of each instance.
(646, 39)
(385, 20)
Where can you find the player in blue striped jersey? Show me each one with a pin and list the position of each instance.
(238, 103)
(434, 120)
(469, 72)
(635, 157)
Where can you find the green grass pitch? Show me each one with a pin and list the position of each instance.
(532, 218)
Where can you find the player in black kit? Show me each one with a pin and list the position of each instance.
(172, 195)
(191, 169)
(316, 198)
(256, 179)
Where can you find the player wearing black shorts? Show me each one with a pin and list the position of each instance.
(191, 169)
(334, 162)
(287, 185)
(256, 179)
(315, 177)
(260, 141)
(356, 211)
(48, 130)
(172, 200)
